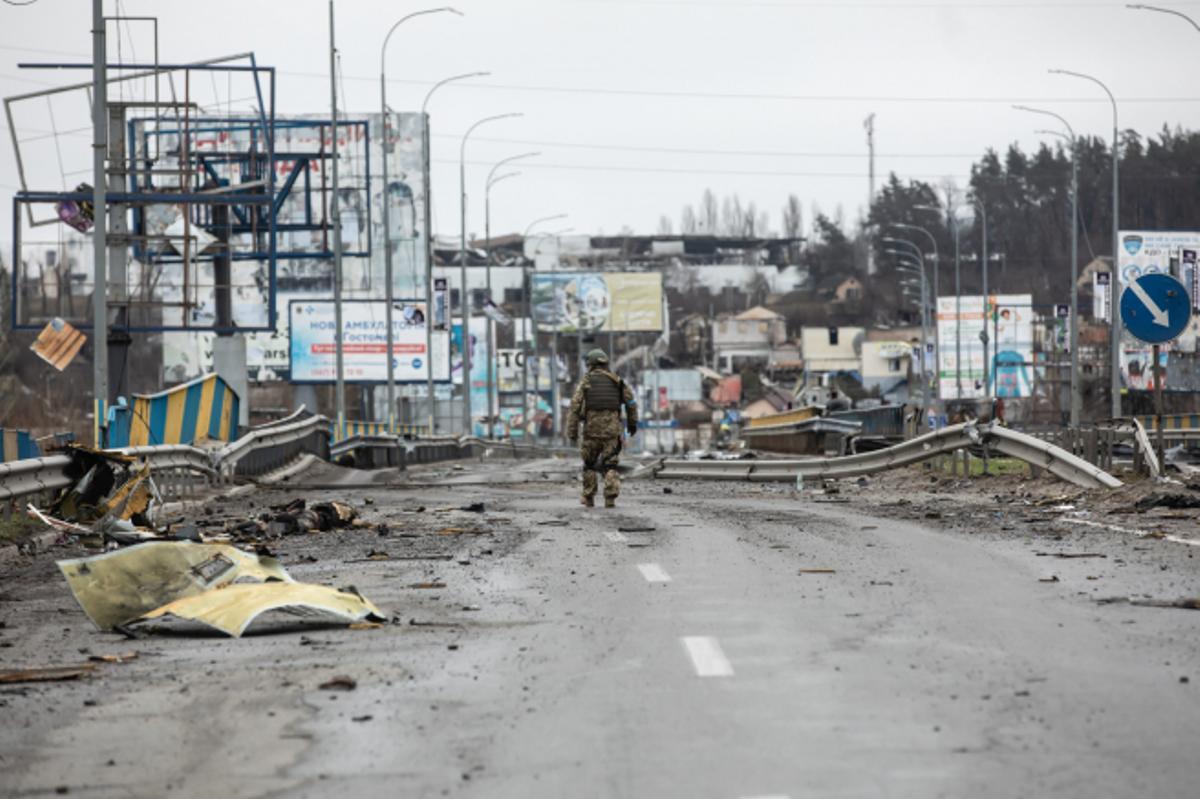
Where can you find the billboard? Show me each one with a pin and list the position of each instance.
(1010, 331)
(510, 364)
(598, 302)
(1168, 252)
(313, 353)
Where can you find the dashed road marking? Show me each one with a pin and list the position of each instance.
(766, 796)
(615, 537)
(654, 573)
(707, 658)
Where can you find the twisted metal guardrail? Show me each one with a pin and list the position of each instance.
(948, 439)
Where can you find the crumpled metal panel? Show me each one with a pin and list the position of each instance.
(233, 608)
(118, 587)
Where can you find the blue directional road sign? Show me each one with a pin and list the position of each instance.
(1155, 308)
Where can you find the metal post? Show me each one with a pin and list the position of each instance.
(957, 313)
(340, 389)
(429, 392)
(100, 233)
(937, 373)
(1158, 407)
(983, 334)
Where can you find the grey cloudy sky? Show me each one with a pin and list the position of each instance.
(766, 98)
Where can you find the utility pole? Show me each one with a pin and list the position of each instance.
(100, 231)
(869, 124)
(335, 212)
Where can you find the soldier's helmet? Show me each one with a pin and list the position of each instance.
(597, 358)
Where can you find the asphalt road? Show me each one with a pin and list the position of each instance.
(716, 641)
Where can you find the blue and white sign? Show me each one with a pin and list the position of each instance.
(313, 351)
(1155, 308)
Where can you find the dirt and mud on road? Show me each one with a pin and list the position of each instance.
(907, 635)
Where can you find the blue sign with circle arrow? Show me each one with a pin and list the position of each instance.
(1155, 308)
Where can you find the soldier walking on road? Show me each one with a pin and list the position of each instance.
(597, 404)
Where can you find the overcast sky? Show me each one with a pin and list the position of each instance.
(766, 98)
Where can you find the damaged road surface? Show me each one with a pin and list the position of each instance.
(916, 637)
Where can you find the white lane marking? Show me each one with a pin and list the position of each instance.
(654, 573)
(707, 658)
(1135, 532)
(766, 796)
(616, 538)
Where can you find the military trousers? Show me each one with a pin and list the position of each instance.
(600, 456)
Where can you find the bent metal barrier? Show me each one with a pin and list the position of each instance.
(1033, 451)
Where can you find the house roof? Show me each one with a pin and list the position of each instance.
(757, 314)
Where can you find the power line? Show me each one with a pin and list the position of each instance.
(696, 151)
(759, 96)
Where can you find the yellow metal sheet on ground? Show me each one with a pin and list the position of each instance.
(117, 587)
(233, 608)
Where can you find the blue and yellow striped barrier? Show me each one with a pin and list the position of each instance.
(206, 408)
(1174, 421)
(17, 445)
(376, 429)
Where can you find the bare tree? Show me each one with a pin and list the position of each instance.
(708, 213)
(664, 225)
(793, 218)
(687, 221)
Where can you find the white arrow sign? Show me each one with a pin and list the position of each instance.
(1161, 317)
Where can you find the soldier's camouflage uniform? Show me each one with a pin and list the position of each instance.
(602, 428)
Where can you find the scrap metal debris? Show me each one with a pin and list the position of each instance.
(51, 674)
(232, 609)
(1188, 603)
(1168, 499)
(341, 682)
(117, 587)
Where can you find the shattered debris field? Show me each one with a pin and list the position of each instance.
(471, 630)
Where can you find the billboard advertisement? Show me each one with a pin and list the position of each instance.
(1010, 331)
(1168, 252)
(510, 364)
(598, 302)
(313, 352)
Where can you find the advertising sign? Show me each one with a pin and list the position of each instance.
(1148, 252)
(313, 352)
(511, 362)
(597, 302)
(1010, 330)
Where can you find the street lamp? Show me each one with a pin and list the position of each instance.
(983, 334)
(957, 298)
(920, 263)
(492, 180)
(465, 299)
(1141, 7)
(1076, 388)
(1115, 310)
(529, 315)
(387, 229)
(426, 147)
(937, 373)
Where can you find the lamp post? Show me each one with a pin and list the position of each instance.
(429, 241)
(529, 315)
(937, 373)
(957, 298)
(492, 180)
(1141, 7)
(983, 334)
(387, 229)
(920, 263)
(1076, 388)
(1115, 309)
(465, 297)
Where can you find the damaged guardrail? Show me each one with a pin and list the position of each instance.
(1038, 453)
(266, 449)
(24, 478)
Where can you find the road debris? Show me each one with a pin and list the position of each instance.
(1070, 555)
(117, 587)
(50, 674)
(1188, 603)
(341, 682)
(818, 571)
(1168, 499)
(233, 608)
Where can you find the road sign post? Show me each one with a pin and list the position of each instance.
(1155, 309)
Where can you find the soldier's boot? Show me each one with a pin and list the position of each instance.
(588, 500)
(612, 488)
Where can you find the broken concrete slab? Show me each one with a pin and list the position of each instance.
(117, 587)
(233, 608)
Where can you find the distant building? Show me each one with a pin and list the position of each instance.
(831, 349)
(748, 338)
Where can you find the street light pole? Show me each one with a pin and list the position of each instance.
(493, 405)
(465, 299)
(1141, 7)
(920, 262)
(386, 146)
(100, 228)
(937, 372)
(1115, 306)
(983, 334)
(957, 296)
(1076, 388)
(335, 213)
(529, 316)
(429, 244)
